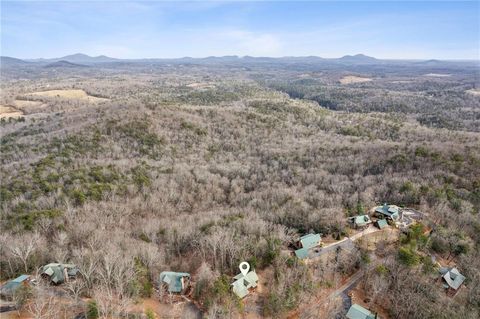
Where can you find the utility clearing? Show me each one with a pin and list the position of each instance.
(74, 94)
(349, 79)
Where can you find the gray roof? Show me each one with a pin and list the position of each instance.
(453, 277)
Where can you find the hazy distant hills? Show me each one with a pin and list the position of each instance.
(8, 61)
(64, 64)
(83, 60)
(78, 58)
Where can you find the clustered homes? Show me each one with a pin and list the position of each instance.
(245, 282)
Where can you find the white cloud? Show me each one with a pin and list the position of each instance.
(253, 43)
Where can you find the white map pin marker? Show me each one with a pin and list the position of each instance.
(244, 268)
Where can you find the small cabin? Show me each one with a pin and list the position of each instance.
(361, 221)
(243, 283)
(359, 312)
(452, 279)
(8, 289)
(381, 224)
(175, 282)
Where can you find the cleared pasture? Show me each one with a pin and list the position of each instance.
(74, 94)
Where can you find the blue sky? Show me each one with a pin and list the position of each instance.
(129, 29)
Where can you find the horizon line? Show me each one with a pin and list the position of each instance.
(244, 56)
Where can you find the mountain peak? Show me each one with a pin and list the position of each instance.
(358, 58)
(84, 58)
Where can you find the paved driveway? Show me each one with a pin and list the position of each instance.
(346, 243)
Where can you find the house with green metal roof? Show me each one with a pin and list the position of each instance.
(59, 273)
(452, 278)
(388, 211)
(8, 289)
(358, 312)
(381, 223)
(307, 242)
(176, 282)
(243, 283)
(360, 221)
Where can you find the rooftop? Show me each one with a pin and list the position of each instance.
(391, 211)
(382, 223)
(243, 283)
(452, 277)
(310, 240)
(361, 220)
(358, 312)
(174, 280)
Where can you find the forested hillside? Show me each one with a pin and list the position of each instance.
(197, 167)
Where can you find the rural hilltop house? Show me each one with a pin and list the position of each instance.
(388, 211)
(361, 221)
(308, 241)
(243, 283)
(8, 289)
(59, 273)
(452, 278)
(358, 312)
(176, 282)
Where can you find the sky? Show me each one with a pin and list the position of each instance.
(158, 29)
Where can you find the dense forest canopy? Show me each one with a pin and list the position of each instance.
(198, 166)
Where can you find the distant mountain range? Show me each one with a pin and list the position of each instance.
(78, 58)
(8, 61)
(64, 64)
(83, 60)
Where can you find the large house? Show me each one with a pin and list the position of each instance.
(358, 312)
(388, 211)
(308, 241)
(59, 273)
(452, 278)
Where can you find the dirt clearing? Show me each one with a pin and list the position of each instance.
(197, 85)
(27, 104)
(349, 79)
(68, 94)
(474, 92)
(8, 111)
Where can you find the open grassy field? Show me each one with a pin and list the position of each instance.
(8, 111)
(67, 94)
(349, 79)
